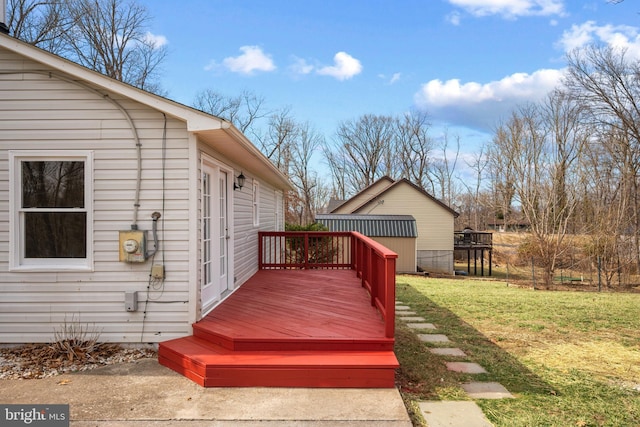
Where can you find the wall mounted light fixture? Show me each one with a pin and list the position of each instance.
(239, 183)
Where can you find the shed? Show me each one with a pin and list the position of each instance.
(434, 219)
(397, 232)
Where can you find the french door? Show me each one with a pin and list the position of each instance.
(215, 277)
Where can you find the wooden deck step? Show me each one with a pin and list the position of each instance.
(230, 339)
(211, 365)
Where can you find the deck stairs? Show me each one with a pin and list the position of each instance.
(281, 338)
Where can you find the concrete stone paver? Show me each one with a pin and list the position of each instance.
(413, 319)
(466, 367)
(453, 414)
(448, 352)
(486, 390)
(421, 325)
(402, 314)
(402, 307)
(433, 338)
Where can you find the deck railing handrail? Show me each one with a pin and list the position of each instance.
(373, 263)
(471, 238)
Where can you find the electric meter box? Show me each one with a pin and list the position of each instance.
(133, 245)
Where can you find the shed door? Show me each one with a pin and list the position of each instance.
(215, 262)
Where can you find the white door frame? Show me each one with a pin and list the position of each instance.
(216, 234)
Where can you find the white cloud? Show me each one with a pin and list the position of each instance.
(395, 77)
(157, 41)
(300, 66)
(479, 105)
(454, 18)
(617, 36)
(252, 59)
(511, 9)
(345, 67)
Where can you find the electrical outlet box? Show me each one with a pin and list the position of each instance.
(133, 245)
(131, 301)
(157, 271)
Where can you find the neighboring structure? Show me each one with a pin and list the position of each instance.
(511, 226)
(88, 167)
(434, 220)
(469, 242)
(396, 232)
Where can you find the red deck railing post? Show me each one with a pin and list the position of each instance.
(260, 250)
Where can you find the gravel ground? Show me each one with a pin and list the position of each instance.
(34, 361)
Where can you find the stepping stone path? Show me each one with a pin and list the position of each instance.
(433, 338)
(456, 352)
(413, 319)
(486, 391)
(452, 413)
(402, 314)
(465, 367)
(421, 325)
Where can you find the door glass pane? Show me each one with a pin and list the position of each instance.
(206, 229)
(223, 224)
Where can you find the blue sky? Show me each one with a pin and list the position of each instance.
(466, 62)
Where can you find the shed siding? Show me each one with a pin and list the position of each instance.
(39, 112)
(435, 224)
(362, 197)
(405, 247)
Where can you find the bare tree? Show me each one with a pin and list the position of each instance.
(367, 148)
(41, 23)
(245, 110)
(442, 170)
(543, 147)
(280, 139)
(108, 36)
(311, 190)
(337, 166)
(500, 158)
(415, 147)
(477, 164)
(608, 86)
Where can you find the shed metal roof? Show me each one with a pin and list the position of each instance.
(371, 225)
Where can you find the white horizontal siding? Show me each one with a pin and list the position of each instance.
(42, 113)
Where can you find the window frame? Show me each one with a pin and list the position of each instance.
(17, 259)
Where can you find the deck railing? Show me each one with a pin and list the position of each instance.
(473, 238)
(373, 263)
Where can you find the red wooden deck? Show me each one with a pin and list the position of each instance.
(289, 328)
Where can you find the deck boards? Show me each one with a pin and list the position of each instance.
(309, 328)
(298, 303)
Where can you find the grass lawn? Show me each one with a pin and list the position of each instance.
(570, 358)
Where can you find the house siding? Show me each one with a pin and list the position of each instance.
(246, 233)
(39, 112)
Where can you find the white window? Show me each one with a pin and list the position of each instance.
(51, 210)
(256, 203)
